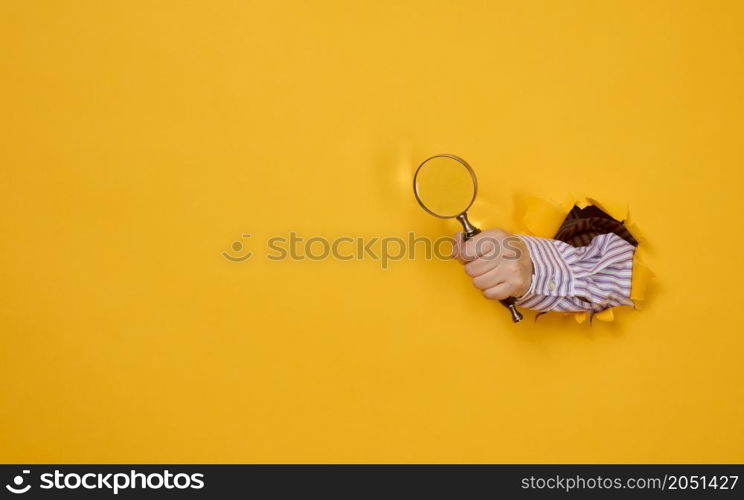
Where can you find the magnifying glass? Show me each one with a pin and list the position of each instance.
(445, 186)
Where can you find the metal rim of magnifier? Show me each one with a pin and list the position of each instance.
(464, 164)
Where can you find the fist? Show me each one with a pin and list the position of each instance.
(498, 262)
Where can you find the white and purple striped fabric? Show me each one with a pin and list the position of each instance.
(571, 279)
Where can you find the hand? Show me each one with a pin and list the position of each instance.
(499, 263)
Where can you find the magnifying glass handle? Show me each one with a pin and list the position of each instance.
(509, 303)
(469, 231)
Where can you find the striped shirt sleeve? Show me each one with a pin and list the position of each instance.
(572, 279)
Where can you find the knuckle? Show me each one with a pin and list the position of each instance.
(470, 269)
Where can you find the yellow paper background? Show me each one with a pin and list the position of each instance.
(141, 139)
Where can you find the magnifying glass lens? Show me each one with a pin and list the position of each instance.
(445, 186)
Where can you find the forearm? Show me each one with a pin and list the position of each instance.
(588, 278)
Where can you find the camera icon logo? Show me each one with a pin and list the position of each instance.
(18, 482)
